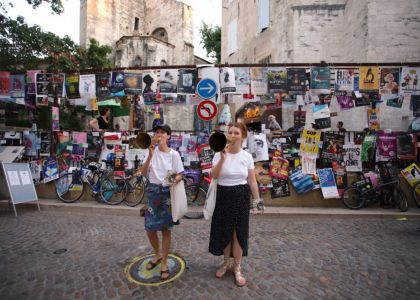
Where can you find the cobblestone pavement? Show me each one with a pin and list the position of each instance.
(291, 257)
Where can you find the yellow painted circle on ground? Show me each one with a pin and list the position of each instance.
(136, 271)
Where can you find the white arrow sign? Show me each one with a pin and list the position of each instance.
(210, 88)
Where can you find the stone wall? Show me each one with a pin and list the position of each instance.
(110, 20)
(144, 49)
(335, 31)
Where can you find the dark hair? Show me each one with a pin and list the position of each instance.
(104, 111)
(340, 123)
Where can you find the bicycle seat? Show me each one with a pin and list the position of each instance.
(94, 166)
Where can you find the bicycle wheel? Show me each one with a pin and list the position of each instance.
(69, 187)
(136, 191)
(400, 199)
(416, 193)
(352, 199)
(113, 189)
(196, 196)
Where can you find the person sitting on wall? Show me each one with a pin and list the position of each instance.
(101, 123)
(273, 125)
(340, 127)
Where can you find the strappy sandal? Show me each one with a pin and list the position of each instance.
(239, 278)
(162, 272)
(151, 265)
(221, 271)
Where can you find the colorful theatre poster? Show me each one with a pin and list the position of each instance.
(328, 184)
(132, 83)
(369, 78)
(72, 86)
(390, 81)
(344, 80)
(320, 80)
(373, 118)
(310, 142)
(296, 81)
(277, 79)
(410, 79)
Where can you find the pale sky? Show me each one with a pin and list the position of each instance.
(67, 23)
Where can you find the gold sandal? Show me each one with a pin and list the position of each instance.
(221, 271)
(239, 278)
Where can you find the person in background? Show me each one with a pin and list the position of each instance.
(273, 125)
(340, 127)
(164, 167)
(234, 169)
(101, 123)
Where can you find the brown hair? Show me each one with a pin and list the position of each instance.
(242, 128)
(104, 111)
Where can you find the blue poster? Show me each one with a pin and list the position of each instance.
(327, 182)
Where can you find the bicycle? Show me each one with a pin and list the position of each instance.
(362, 193)
(416, 193)
(196, 187)
(105, 186)
(136, 187)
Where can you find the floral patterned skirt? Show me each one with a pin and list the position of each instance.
(158, 216)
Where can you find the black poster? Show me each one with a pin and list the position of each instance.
(187, 81)
(103, 85)
(296, 81)
(332, 146)
(45, 149)
(280, 188)
(415, 101)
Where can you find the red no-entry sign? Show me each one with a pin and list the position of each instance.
(207, 110)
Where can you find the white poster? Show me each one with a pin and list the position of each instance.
(13, 177)
(352, 157)
(344, 79)
(257, 145)
(259, 80)
(213, 74)
(243, 83)
(227, 80)
(87, 90)
(24, 176)
(309, 165)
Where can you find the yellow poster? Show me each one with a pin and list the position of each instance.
(369, 78)
(94, 104)
(373, 118)
(411, 174)
(310, 142)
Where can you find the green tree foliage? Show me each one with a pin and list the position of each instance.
(24, 47)
(211, 40)
(56, 5)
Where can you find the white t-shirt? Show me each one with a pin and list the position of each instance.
(163, 164)
(235, 168)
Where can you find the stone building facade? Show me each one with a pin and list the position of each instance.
(142, 33)
(303, 31)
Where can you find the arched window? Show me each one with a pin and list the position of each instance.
(136, 62)
(161, 34)
(163, 62)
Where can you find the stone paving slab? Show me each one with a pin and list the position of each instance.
(123, 210)
(290, 257)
